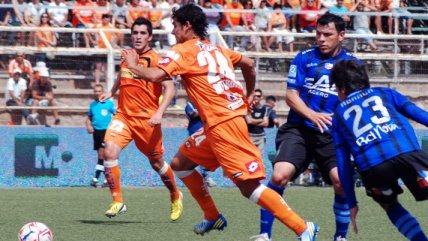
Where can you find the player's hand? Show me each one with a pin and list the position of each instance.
(155, 120)
(250, 100)
(354, 212)
(321, 120)
(90, 129)
(104, 96)
(131, 57)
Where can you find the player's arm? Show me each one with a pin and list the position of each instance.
(152, 74)
(321, 120)
(249, 73)
(113, 90)
(409, 109)
(168, 95)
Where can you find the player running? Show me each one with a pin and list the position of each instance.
(138, 118)
(207, 73)
(371, 124)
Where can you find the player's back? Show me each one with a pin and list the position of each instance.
(139, 97)
(371, 123)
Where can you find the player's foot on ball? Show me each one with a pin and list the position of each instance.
(177, 208)
(205, 226)
(310, 233)
(116, 208)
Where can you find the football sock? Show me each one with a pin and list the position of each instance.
(267, 218)
(168, 179)
(275, 204)
(195, 183)
(342, 215)
(405, 223)
(112, 173)
(99, 168)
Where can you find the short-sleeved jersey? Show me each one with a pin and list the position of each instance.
(207, 74)
(25, 67)
(86, 15)
(101, 113)
(372, 125)
(310, 75)
(42, 90)
(139, 97)
(258, 113)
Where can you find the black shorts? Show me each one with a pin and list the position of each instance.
(381, 181)
(99, 139)
(300, 145)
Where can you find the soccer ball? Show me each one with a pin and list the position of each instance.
(35, 231)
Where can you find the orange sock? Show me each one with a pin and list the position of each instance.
(168, 180)
(113, 179)
(275, 204)
(198, 189)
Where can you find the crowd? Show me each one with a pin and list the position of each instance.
(260, 17)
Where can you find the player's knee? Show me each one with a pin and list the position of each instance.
(247, 187)
(280, 179)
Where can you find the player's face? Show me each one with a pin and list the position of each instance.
(328, 39)
(140, 38)
(179, 31)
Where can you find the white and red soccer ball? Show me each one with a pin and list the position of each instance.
(35, 231)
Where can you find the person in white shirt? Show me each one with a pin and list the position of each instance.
(15, 95)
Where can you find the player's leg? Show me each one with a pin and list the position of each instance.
(193, 152)
(98, 138)
(243, 164)
(117, 137)
(323, 150)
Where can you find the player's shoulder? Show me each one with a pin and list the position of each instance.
(306, 52)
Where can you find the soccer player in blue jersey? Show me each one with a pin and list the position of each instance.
(99, 117)
(371, 125)
(306, 136)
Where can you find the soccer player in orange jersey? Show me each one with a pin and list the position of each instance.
(138, 118)
(207, 72)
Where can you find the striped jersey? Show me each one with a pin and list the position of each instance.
(372, 125)
(310, 75)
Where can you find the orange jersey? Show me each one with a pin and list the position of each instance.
(235, 17)
(109, 35)
(138, 97)
(86, 15)
(99, 13)
(134, 12)
(207, 74)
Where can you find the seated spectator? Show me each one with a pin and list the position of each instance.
(135, 11)
(111, 37)
(83, 17)
(42, 95)
(213, 18)
(58, 15)
(361, 22)
(386, 6)
(295, 6)
(32, 17)
(339, 8)
(278, 24)
(19, 62)
(308, 21)
(104, 8)
(250, 18)
(43, 38)
(235, 22)
(261, 22)
(120, 12)
(18, 19)
(408, 20)
(15, 95)
(273, 118)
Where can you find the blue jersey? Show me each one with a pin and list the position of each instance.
(195, 123)
(372, 125)
(100, 114)
(310, 75)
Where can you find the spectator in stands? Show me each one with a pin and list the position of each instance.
(261, 22)
(235, 22)
(18, 19)
(250, 18)
(385, 6)
(111, 37)
(83, 17)
(32, 17)
(408, 20)
(340, 9)
(166, 21)
(308, 21)
(58, 15)
(120, 12)
(278, 24)
(361, 22)
(257, 120)
(295, 6)
(19, 62)
(326, 4)
(135, 11)
(213, 19)
(42, 95)
(104, 8)
(273, 118)
(155, 16)
(44, 39)
(4, 18)
(15, 95)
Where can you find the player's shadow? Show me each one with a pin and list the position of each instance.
(107, 222)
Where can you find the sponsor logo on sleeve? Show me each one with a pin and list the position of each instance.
(293, 71)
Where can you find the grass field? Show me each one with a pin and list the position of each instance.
(77, 214)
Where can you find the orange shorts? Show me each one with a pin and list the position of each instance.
(123, 129)
(227, 145)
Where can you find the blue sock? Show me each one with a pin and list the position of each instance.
(342, 216)
(406, 224)
(267, 218)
